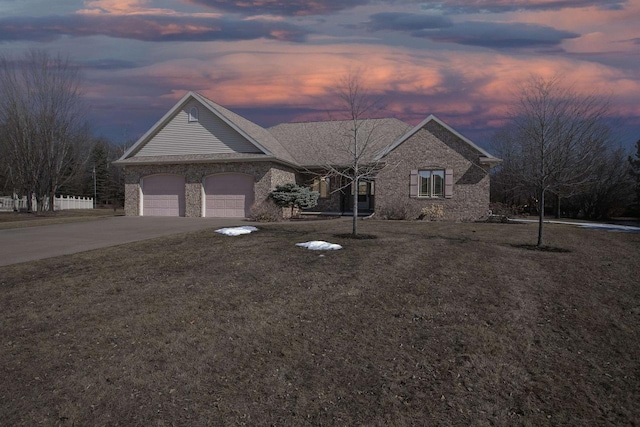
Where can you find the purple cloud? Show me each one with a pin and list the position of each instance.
(501, 6)
(146, 28)
(498, 35)
(406, 22)
(325, 7)
(282, 7)
(107, 64)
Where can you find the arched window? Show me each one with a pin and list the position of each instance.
(193, 114)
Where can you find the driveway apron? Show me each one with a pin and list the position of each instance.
(34, 243)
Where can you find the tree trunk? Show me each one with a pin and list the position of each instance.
(558, 205)
(355, 208)
(540, 218)
(52, 198)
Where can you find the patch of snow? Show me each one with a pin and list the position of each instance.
(319, 245)
(589, 225)
(236, 231)
(612, 227)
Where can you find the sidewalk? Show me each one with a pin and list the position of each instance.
(589, 225)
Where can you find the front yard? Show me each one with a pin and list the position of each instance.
(429, 324)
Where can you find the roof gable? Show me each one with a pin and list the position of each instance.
(253, 131)
(218, 131)
(484, 156)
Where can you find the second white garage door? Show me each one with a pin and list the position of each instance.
(228, 195)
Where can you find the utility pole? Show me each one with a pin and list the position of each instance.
(94, 186)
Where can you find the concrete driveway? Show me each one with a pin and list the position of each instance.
(34, 243)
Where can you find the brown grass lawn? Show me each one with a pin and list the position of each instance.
(23, 219)
(429, 324)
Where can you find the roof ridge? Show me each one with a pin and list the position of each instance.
(334, 121)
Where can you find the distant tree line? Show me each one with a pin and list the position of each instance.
(99, 174)
(613, 192)
(42, 125)
(45, 143)
(634, 162)
(559, 155)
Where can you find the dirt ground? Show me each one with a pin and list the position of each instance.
(427, 324)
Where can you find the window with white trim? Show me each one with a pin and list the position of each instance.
(193, 114)
(431, 183)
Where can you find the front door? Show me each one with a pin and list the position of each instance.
(365, 195)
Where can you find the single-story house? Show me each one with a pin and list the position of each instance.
(202, 159)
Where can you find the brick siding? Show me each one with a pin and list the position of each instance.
(434, 147)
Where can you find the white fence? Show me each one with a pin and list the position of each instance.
(60, 203)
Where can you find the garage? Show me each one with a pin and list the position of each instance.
(228, 195)
(163, 195)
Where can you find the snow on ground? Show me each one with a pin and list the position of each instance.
(590, 225)
(612, 227)
(236, 231)
(319, 245)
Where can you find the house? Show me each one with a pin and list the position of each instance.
(202, 159)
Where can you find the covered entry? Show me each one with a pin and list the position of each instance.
(163, 195)
(366, 197)
(228, 195)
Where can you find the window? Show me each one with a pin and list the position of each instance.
(321, 185)
(193, 114)
(431, 183)
(363, 188)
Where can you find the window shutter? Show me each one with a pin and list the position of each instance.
(448, 183)
(413, 184)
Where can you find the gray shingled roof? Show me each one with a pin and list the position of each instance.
(329, 142)
(309, 144)
(258, 133)
(195, 158)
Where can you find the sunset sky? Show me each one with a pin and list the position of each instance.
(275, 60)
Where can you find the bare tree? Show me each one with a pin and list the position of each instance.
(554, 140)
(634, 163)
(356, 137)
(43, 124)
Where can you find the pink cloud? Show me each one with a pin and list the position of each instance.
(471, 87)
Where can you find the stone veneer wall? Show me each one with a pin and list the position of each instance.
(266, 174)
(434, 147)
(281, 175)
(331, 203)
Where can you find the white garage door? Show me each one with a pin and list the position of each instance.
(228, 195)
(163, 195)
